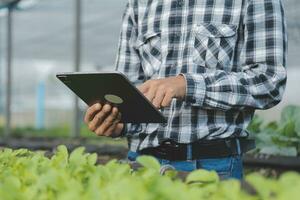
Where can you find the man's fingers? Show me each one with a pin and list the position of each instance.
(91, 112)
(99, 117)
(110, 120)
(116, 124)
(151, 93)
(159, 96)
(167, 100)
(111, 130)
(115, 130)
(143, 88)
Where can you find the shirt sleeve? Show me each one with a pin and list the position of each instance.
(261, 82)
(128, 60)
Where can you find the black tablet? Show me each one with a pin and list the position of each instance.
(116, 89)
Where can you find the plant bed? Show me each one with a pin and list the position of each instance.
(101, 147)
(118, 150)
(31, 175)
(280, 163)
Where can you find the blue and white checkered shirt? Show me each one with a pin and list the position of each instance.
(231, 52)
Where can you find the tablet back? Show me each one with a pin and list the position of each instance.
(113, 88)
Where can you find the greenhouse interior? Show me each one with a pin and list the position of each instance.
(49, 150)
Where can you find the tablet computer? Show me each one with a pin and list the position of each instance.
(116, 89)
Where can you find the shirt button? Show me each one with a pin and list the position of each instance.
(214, 32)
(180, 3)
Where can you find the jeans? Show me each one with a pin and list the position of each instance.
(228, 167)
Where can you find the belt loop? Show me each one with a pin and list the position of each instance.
(189, 154)
(238, 146)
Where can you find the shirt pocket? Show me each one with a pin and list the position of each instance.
(149, 49)
(214, 45)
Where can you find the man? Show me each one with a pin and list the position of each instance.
(207, 65)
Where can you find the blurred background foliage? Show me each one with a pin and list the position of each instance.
(43, 41)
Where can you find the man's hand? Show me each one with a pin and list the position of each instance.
(161, 91)
(104, 120)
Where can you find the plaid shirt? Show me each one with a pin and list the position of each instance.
(232, 54)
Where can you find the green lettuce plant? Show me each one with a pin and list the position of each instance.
(26, 175)
(278, 138)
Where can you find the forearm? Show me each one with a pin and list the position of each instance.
(259, 87)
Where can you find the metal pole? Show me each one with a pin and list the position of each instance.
(9, 51)
(1, 106)
(40, 109)
(77, 61)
